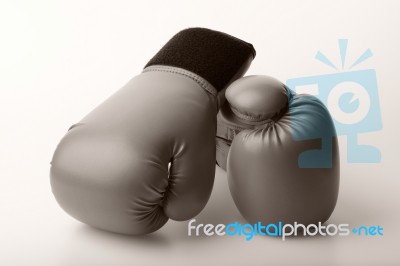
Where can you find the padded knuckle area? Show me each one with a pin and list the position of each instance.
(257, 98)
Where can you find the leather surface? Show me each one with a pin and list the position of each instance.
(249, 104)
(111, 169)
(257, 103)
(265, 164)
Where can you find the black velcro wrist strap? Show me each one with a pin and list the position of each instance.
(213, 55)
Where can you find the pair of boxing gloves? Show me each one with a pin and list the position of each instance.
(148, 153)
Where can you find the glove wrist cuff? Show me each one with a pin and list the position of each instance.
(199, 80)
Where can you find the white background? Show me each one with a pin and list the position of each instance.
(58, 60)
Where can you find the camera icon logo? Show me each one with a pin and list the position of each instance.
(353, 101)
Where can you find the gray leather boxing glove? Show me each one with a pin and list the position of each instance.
(147, 153)
(280, 151)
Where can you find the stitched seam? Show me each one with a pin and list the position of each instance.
(202, 82)
(227, 126)
(257, 120)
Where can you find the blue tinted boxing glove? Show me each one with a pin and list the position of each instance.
(280, 152)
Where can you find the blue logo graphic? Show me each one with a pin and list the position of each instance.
(351, 98)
